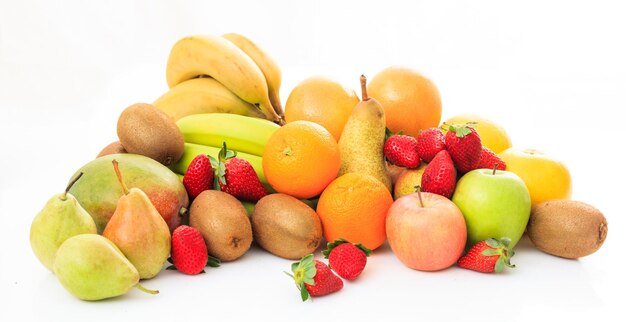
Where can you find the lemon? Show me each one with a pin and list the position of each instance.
(492, 135)
(545, 177)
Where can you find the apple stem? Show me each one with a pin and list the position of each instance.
(69, 186)
(419, 195)
(145, 290)
(495, 167)
(119, 176)
(364, 96)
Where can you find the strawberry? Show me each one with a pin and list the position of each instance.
(489, 160)
(401, 150)
(314, 278)
(463, 143)
(237, 177)
(488, 256)
(440, 175)
(199, 175)
(346, 259)
(429, 143)
(189, 252)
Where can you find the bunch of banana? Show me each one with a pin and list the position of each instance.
(227, 74)
(206, 133)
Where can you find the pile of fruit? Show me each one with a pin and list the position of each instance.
(214, 165)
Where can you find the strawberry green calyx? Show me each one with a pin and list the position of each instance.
(303, 273)
(500, 248)
(213, 262)
(337, 242)
(462, 130)
(220, 164)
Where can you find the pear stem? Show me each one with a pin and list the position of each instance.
(419, 195)
(119, 176)
(495, 167)
(364, 96)
(69, 186)
(145, 290)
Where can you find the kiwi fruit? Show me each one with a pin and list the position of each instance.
(223, 222)
(286, 226)
(146, 130)
(567, 228)
(113, 148)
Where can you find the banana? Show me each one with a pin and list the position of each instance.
(268, 66)
(219, 58)
(192, 150)
(203, 95)
(241, 133)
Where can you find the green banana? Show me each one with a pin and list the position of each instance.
(192, 150)
(241, 133)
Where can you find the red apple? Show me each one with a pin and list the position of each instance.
(426, 231)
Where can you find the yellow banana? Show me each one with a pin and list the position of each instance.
(203, 95)
(268, 66)
(192, 150)
(241, 133)
(219, 58)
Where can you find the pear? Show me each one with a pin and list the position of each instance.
(362, 140)
(138, 229)
(61, 218)
(92, 268)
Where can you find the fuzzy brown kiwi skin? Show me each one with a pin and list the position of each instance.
(223, 222)
(286, 226)
(146, 130)
(567, 228)
(113, 148)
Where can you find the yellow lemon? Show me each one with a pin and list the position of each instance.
(491, 134)
(545, 177)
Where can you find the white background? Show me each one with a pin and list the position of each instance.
(552, 73)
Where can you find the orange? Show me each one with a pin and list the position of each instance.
(354, 207)
(491, 134)
(323, 101)
(411, 101)
(545, 177)
(301, 159)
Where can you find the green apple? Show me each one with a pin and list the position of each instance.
(495, 204)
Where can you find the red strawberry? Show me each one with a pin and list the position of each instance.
(199, 175)
(237, 177)
(346, 259)
(429, 143)
(488, 256)
(314, 278)
(189, 252)
(488, 159)
(463, 143)
(440, 175)
(401, 150)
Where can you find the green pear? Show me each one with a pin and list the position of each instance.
(138, 229)
(92, 268)
(362, 140)
(61, 218)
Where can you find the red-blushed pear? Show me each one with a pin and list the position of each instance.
(495, 204)
(139, 231)
(426, 231)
